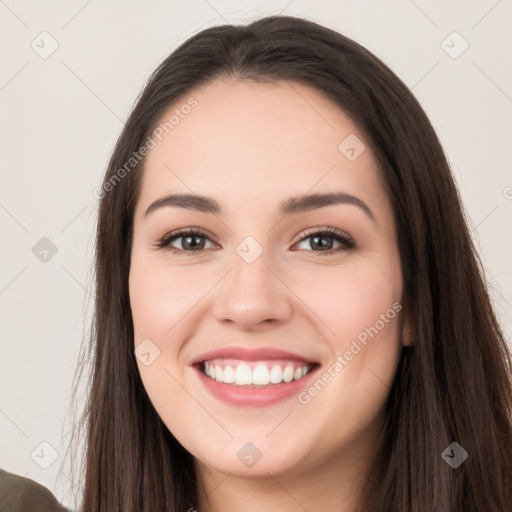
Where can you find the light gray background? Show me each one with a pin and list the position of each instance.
(61, 115)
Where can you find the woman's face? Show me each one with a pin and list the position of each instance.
(264, 294)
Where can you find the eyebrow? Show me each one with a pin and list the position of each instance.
(292, 205)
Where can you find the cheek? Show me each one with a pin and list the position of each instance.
(160, 299)
(359, 307)
(349, 299)
(362, 315)
(160, 296)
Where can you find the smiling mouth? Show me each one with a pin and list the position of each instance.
(252, 374)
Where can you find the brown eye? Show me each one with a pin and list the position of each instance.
(195, 241)
(191, 241)
(323, 241)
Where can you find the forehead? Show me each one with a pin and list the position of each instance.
(247, 142)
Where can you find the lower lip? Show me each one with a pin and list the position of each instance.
(255, 397)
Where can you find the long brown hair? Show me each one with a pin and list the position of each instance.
(454, 384)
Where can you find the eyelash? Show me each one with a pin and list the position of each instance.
(338, 235)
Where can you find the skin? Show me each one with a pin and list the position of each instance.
(250, 146)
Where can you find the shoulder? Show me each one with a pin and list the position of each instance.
(20, 494)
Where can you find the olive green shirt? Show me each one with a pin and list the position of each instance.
(20, 494)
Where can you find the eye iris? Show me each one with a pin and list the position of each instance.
(318, 240)
(192, 245)
(315, 238)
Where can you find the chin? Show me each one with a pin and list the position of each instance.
(254, 459)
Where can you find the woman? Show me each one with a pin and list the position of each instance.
(290, 312)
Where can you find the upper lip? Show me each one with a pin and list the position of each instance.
(249, 354)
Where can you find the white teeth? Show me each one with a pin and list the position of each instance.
(229, 375)
(242, 375)
(276, 374)
(260, 375)
(288, 374)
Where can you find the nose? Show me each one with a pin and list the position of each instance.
(253, 295)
